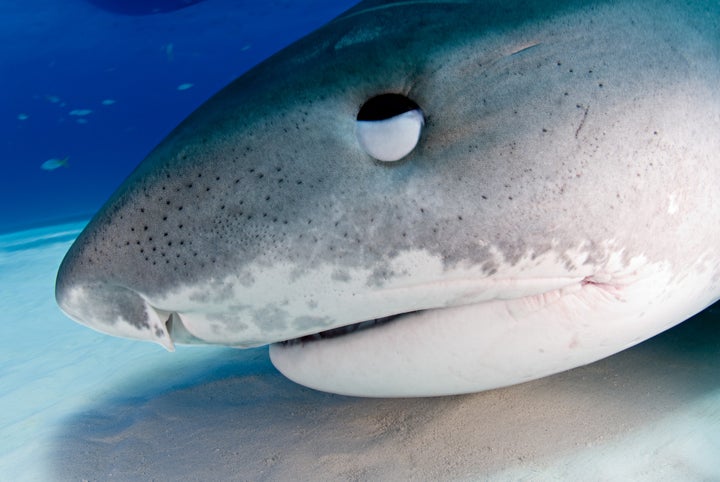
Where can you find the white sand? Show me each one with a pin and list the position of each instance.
(76, 405)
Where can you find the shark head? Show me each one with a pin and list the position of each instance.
(479, 195)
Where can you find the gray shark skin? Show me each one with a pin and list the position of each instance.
(559, 206)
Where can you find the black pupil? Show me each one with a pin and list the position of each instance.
(385, 106)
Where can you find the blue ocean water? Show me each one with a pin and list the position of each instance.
(101, 82)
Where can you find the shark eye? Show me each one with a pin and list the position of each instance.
(389, 126)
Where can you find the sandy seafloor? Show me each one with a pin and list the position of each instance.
(77, 405)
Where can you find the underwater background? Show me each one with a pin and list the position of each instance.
(87, 89)
(101, 82)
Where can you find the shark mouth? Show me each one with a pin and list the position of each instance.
(177, 327)
(475, 346)
(344, 330)
(536, 297)
(385, 320)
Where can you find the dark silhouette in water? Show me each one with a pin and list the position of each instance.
(142, 7)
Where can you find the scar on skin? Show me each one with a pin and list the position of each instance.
(523, 47)
(582, 121)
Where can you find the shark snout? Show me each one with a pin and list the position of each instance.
(93, 289)
(113, 309)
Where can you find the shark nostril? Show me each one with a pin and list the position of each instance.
(176, 329)
(169, 324)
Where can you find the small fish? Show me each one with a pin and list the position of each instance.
(52, 164)
(81, 112)
(23, 117)
(184, 86)
(169, 51)
(108, 102)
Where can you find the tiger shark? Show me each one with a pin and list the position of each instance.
(429, 197)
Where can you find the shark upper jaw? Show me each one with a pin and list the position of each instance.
(106, 308)
(245, 318)
(282, 304)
